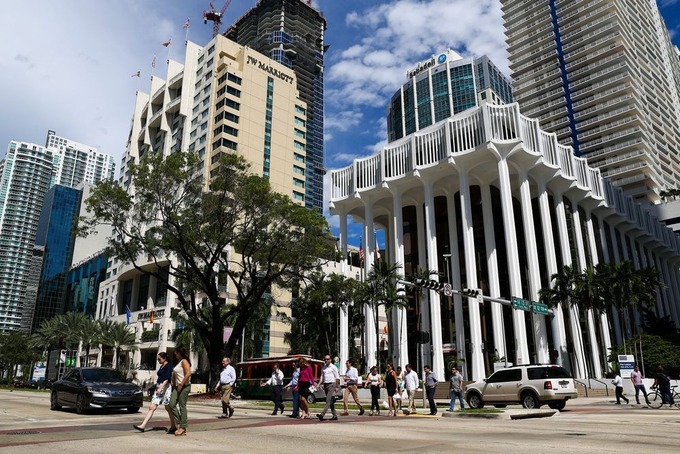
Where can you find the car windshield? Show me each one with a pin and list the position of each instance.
(536, 373)
(104, 375)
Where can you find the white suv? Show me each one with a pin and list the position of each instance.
(532, 386)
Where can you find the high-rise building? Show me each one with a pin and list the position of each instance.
(224, 97)
(604, 76)
(25, 174)
(442, 86)
(291, 32)
(55, 234)
(75, 163)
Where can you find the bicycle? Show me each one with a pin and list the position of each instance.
(655, 400)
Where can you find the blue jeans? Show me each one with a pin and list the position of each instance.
(666, 394)
(454, 395)
(430, 398)
(296, 403)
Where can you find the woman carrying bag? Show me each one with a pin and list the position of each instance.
(161, 396)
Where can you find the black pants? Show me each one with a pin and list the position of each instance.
(430, 399)
(375, 396)
(619, 395)
(277, 390)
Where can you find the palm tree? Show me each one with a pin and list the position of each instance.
(117, 335)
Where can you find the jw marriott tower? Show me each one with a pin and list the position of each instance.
(605, 78)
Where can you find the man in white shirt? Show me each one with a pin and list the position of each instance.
(351, 381)
(276, 382)
(227, 380)
(618, 382)
(329, 378)
(411, 381)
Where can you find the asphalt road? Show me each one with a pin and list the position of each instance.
(585, 426)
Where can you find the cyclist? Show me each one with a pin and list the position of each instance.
(663, 381)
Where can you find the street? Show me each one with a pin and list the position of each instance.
(585, 426)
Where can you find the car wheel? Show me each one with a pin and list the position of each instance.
(54, 403)
(529, 400)
(133, 409)
(500, 406)
(311, 399)
(557, 405)
(474, 400)
(80, 404)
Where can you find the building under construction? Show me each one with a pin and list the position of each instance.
(291, 32)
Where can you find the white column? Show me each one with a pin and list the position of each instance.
(538, 321)
(433, 265)
(559, 334)
(633, 256)
(582, 265)
(425, 349)
(616, 317)
(343, 309)
(474, 319)
(669, 272)
(498, 326)
(603, 321)
(458, 313)
(397, 230)
(579, 370)
(370, 335)
(518, 320)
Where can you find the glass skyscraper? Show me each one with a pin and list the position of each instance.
(292, 33)
(441, 87)
(604, 76)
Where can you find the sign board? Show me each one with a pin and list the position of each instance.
(448, 291)
(39, 372)
(626, 364)
(539, 308)
(520, 304)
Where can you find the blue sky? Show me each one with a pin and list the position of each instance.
(66, 65)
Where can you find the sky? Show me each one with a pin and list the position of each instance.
(67, 65)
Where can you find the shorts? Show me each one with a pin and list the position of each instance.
(163, 399)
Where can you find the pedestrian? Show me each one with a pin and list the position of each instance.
(430, 388)
(636, 378)
(162, 392)
(181, 384)
(351, 381)
(411, 382)
(276, 382)
(374, 382)
(329, 378)
(663, 381)
(227, 381)
(305, 382)
(293, 385)
(400, 387)
(391, 385)
(456, 389)
(618, 383)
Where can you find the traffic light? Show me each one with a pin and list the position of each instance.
(471, 292)
(426, 283)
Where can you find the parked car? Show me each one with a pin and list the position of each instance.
(531, 386)
(95, 387)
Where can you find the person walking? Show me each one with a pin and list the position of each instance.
(351, 381)
(618, 382)
(329, 378)
(181, 384)
(400, 387)
(162, 393)
(456, 389)
(374, 382)
(227, 381)
(276, 382)
(391, 385)
(305, 382)
(638, 384)
(293, 385)
(430, 388)
(663, 381)
(411, 381)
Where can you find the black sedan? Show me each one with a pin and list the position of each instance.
(95, 387)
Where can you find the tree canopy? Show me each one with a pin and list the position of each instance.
(234, 233)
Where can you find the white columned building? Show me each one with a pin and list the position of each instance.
(499, 204)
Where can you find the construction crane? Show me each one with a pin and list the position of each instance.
(215, 16)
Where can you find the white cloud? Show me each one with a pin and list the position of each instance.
(343, 120)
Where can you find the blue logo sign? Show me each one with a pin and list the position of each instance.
(442, 58)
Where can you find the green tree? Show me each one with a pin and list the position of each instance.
(117, 335)
(235, 231)
(650, 351)
(15, 349)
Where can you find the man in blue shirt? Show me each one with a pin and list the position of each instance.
(227, 381)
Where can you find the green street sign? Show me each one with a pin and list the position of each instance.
(520, 304)
(539, 308)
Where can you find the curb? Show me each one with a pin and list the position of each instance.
(509, 414)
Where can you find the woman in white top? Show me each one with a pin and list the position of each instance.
(374, 381)
(181, 383)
